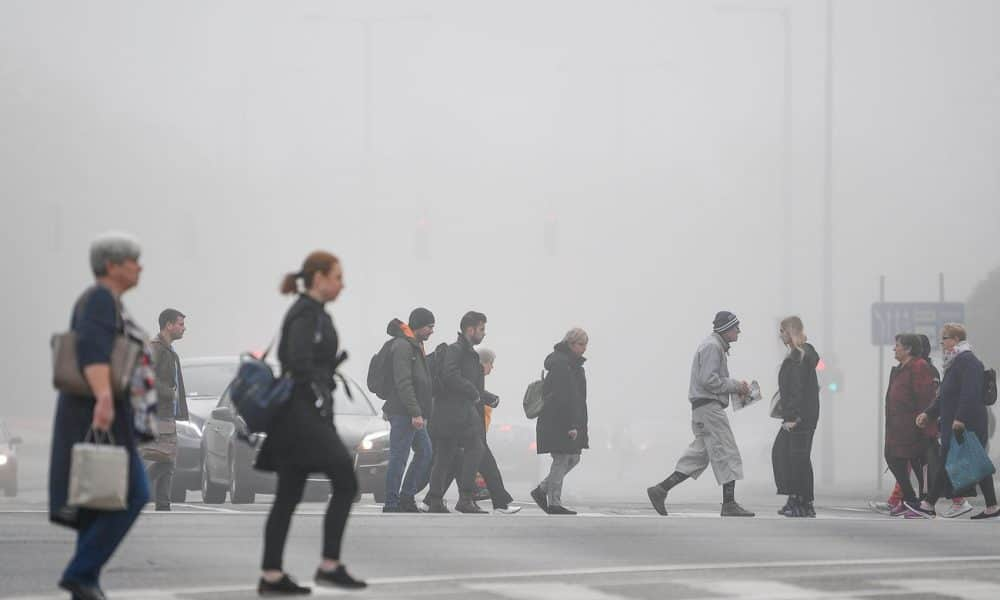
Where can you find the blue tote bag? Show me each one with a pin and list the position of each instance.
(967, 462)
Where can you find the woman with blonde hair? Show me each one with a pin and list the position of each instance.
(798, 388)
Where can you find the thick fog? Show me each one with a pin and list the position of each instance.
(628, 167)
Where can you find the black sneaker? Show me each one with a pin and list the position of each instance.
(436, 506)
(985, 515)
(733, 509)
(808, 510)
(408, 506)
(539, 497)
(469, 507)
(788, 508)
(285, 586)
(392, 509)
(560, 510)
(339, 577)
(658, 497)
(84, 591)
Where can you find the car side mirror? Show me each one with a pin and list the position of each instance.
(15, 441)
(222, 413)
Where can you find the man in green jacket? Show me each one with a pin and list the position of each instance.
(408, 406)
(171, 406)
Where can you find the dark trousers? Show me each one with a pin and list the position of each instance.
(900, 468)
(161, 475)
(102, 531)
(791, 459)
(490, 471)
(445, 451)
(291, 484)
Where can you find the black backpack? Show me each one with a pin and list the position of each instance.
(990, 387)
(435, 364)
(380, 371)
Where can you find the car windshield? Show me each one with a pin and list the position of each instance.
(342, 405)
(208, 379)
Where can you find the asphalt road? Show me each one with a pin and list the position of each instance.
(610, 551)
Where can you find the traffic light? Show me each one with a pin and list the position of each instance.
(831, 378)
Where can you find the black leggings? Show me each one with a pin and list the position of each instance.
(940, 482)
(900, 468)
(291, 484)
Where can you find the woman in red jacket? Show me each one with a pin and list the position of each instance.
(911, 389)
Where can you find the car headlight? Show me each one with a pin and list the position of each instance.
(3, 459)
(371, 440)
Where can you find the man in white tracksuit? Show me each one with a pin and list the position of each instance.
(714, 443)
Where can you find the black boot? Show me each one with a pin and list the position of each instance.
(658, 498)
(539, 497)
(468, 505)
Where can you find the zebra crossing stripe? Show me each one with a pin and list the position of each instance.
(965, 589)
(760, 589)
(542, 591)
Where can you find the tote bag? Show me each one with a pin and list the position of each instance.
(967, 461)
(98, 473)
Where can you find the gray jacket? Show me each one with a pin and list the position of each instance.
(411, 380)
(169, 381)
(710, 372)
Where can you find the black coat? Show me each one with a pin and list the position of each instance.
(463, 382)
(799, 388)
(96, 321)
(961, 397)
(303, 436)
(565, 405)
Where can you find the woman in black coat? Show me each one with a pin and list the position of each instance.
(561, 429)
(799, 390)
(960, 410)
(303, 439)
(98, 317)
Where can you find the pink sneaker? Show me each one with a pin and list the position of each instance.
(898, 510)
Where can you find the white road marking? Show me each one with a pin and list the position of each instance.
(965, 589)
(757, 589)
(217, 509)
(542, 591)
(670, 568)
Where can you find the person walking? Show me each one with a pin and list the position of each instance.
(714, 443)
(562, 426)
(161, 455)
(457, 426)
(798, 388)
(911, 390)
(960, 411)
(408, 408)
(97, 318)
(302, 439)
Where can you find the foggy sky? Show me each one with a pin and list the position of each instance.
(234, 137)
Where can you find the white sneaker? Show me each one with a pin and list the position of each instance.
(957, 510)
(880, 507)
(512, 510)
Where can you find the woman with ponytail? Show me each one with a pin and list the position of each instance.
(303, 438)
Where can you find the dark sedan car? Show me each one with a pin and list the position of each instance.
(227, 464)
(204, 381)
(8, 461)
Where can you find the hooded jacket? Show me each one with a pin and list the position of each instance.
(456, 415)
(411, 391)
(565, 404)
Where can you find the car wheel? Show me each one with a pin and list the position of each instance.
(240, 492)
(211, 493)
(178, 492)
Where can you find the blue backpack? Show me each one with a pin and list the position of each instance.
(257, 394)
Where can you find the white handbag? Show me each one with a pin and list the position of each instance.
(98, 474)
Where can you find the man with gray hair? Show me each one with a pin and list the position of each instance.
(161, 455)
(714, 443)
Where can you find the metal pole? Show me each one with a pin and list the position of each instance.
(881, 406)
(940, 287)
(827, 299)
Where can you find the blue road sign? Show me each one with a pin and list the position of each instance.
(892, 318)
